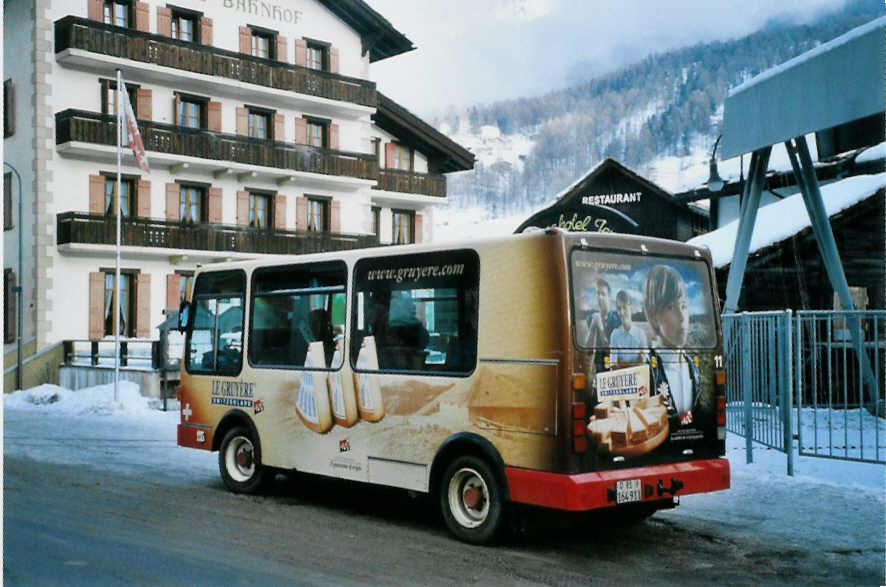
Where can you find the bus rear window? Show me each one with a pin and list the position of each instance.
(632, 303)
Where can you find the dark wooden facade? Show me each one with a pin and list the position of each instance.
(100, 129)
(612, 198)
(97, 229)
(73, 32)
(791, 273)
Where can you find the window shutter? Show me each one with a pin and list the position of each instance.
(9, 108)
(279, 127)
(143, 305)
(301, 213)
(96, 305)
(282, 49)
(335, 216)
(215, 205)
(242, 121)
(243, 208)
(176, 108)
(9, 300)
(417, 230)
(173, 202)
(143, 204)
(173, 284)
(95, 10)
(301, 52)
(301, 131)
(96, 194)
(143, 104)
(333, 137)
(389, 156)
(333, 60)
(205, 30)
(279, 212)
(164, 21)
(213, 116)
(142, 17)
(245, 40)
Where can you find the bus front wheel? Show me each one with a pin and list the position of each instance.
(471, 499)
(239, 462)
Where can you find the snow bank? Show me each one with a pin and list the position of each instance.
(786, 218)
(97, 400)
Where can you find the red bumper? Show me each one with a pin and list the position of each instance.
(195, 436)
(597, 490)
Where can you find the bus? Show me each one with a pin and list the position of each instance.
(574, 371)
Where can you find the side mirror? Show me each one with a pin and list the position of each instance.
(184, 311)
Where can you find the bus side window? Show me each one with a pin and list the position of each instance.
(420, 309)
(215, 343)
(292, 307)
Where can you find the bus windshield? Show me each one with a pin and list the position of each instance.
(641, 301)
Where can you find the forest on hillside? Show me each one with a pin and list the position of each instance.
(652, 108)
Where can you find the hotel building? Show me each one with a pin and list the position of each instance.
(263, 130)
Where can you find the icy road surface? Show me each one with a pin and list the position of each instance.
(98, 491)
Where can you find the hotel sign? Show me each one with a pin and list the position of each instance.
(270, 10)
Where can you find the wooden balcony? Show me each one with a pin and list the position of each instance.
(95, 37)
(97, 229)
(100, 129)
(408, 182)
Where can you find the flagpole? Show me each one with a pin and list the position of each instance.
(116, 320)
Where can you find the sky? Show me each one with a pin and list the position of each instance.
(481, 51)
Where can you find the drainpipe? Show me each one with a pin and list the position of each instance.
(18, 286)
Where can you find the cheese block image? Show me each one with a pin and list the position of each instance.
(631, 430)
(369, 401)
(341, 392)
(312, 396)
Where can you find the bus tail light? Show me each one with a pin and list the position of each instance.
(579, 382)
(720, 376)
(579, 427)
(721, 417)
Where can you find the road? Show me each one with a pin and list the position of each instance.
(84, 524)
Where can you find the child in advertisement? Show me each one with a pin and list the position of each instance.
(628, 342)
(674, 376)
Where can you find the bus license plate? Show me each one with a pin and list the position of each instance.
(627, 491)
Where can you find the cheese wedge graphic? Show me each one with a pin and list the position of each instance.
(341, 391)
(312, 397)
(369, 401)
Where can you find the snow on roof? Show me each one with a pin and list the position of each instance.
(787, 217)
(875, 153)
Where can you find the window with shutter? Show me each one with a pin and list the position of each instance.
(8, 224)
(8, 108)
(9, 301)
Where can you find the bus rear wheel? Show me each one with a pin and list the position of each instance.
(239, 462)
(471, 500)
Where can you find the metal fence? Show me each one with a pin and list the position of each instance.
(838, 389)
(758, 379)
(801, 376)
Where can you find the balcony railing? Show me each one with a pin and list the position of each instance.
(408, 182)
(97, 229)
(88, 35)
(99, 129)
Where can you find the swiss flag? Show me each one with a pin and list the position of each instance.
(133, 138)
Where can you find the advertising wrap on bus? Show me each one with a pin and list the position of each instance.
(646, 334)
(515, 369)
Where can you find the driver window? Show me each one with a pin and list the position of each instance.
(215, 343)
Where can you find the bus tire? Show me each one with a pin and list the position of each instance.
(239, 461)
(471, 500)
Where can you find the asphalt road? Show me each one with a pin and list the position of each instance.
(66, 524)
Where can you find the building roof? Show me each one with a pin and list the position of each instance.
(378, 35)
(837, 82)
(397, 120)
(783, 219)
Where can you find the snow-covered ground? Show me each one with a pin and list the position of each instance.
(131, 435)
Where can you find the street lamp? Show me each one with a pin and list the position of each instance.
(715, 183)
(18, 287)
